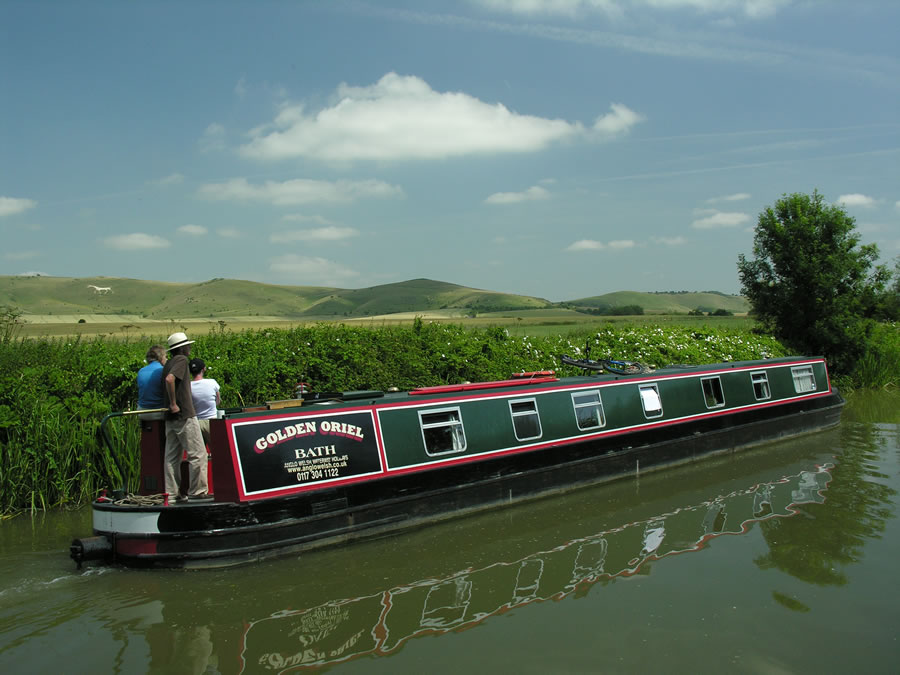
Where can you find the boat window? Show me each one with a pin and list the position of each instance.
(712, 392)
(760, 386)
(651, 401)
(588, 410)
(525, 418)
(804, 379)
(442, 431)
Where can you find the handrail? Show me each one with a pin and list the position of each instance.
(108, 441)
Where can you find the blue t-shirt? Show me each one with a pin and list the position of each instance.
(151, 393)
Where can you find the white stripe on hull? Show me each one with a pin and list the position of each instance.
(126, 522)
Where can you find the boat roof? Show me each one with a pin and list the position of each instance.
(538, 379)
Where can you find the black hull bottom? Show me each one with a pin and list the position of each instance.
(221, 534)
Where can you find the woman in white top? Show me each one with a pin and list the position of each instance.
(205, 393)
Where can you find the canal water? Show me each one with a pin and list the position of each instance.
(781, 559)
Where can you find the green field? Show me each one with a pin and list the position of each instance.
(537, 322)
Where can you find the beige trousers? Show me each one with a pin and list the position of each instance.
(184, 436)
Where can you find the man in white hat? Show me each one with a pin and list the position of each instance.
(182, 428)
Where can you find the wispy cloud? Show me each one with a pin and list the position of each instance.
(754, 9)
(329, 233)
(531, 194)
(669, 241)
(136, 241)
(192, 230)
(229, 232)
(857, 199)
(593, 245)
(21, 255)
(646, 38)
(213, 138)
(299, 191)
(171, 179)
(713, 219)
(240, 89)
(304, 218)
(311, 270)
(10, 206)
(403, 118)
(737, 197)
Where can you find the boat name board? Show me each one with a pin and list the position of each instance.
(292, 431)
(288, 452)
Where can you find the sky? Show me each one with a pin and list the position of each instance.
(554, 148)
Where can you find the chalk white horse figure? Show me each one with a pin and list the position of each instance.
(102, 290)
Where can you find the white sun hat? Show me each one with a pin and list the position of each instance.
(178, 340)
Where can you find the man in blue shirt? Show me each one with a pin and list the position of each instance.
(151, 393)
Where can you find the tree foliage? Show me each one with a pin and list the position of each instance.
(811, 283)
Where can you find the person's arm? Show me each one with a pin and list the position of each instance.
(170, 389)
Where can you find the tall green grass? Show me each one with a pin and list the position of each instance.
(879, 366)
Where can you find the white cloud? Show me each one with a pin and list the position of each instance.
(586, 245)
(192, 230)
(531, 194)
(857, 199)
(718, 219)
(669, 241)
(593, 245)
(402, 117)
(311, 270)
(897, 204)
(229, 232)
(299, 191)
(330, 233)
(10, 206)
(737, 197)
(619, 121)
(137, 241)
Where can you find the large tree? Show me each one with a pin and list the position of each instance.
(811, 283)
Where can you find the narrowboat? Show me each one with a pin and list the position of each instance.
(327, 468)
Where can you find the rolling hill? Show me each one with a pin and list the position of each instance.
(666, 303)
(221, 298)
(224, 298)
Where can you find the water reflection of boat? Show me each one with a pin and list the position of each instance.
(382, 622)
